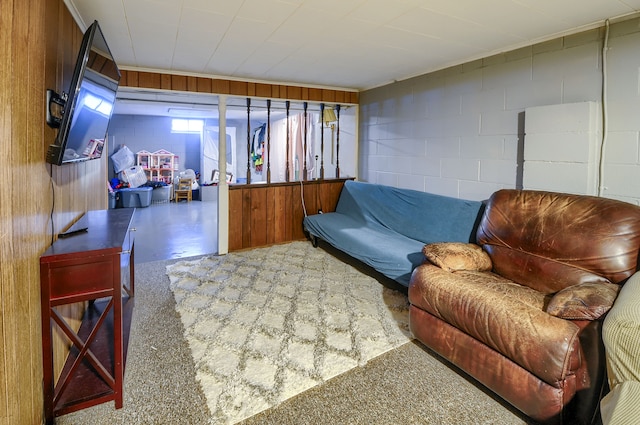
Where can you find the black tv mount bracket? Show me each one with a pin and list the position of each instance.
(60, 100)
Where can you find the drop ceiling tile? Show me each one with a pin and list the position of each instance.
(107, 14)
(302, 25)
(201, 20)
(153, 62)
(222, 7)
(198, 38)
(226, 59)
(574, 13)
(294, 67)
(250, 32)
(125, 58)
(506, 17)
(633, 4)
(153, 36)
(398, 42)
(273, 11)
(381, 11)
(337, 7)
(153, 46)
(347, 30)
(191, 56)
(267, 56)
(432, 25)
(158, 12)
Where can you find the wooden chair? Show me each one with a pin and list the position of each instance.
(183, 190)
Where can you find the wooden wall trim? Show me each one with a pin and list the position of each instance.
(156, 80)
(241, 186)
(268, 214)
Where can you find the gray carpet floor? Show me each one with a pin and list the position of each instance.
(408, 385)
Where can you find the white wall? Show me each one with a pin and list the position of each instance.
(460, 131)
(563, 140)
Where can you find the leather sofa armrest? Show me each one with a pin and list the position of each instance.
(584, 301)
(457, 256)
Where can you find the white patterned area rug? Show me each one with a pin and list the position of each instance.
(266, 324)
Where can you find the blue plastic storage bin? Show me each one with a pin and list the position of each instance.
(138, 197)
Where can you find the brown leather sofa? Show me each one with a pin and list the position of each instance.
(521, 310)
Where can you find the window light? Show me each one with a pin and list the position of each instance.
(186, 126)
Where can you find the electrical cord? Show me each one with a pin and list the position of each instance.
(304, 208)
(53, 202)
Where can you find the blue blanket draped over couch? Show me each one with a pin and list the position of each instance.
(386, 227)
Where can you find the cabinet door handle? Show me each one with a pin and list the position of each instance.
(133, 229)
(128, 251)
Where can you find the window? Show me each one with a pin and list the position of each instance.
(186, 126)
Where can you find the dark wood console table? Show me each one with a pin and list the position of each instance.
(96, 266)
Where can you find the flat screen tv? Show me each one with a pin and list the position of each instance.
(88, 105)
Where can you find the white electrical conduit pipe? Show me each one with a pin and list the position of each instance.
(605, 123)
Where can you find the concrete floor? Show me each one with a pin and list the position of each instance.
(175, 230)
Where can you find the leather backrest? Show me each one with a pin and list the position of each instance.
(549, 241)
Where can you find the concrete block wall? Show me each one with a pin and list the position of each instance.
(151, 133)
(460, 131)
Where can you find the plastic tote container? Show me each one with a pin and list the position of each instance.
(135, 176)
(161, 194)
(113, 200)
(138, 197)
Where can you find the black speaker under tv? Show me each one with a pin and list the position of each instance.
(88, 105)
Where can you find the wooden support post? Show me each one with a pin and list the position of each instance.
(322, 141)
(268, 141)
(288, 157)
(338, 142)
(248, 142)
(304, 169)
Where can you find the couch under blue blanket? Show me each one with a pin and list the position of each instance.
(386, 227)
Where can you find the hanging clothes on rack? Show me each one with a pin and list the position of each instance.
(257, 147)
(296, 147)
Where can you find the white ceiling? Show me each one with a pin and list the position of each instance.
(346, 44)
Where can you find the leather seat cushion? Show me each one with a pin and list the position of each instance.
(506, 316)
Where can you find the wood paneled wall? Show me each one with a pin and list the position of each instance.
(39, 41)
(261, 215)
(154, 80)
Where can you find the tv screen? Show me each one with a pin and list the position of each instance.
(89, 102)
